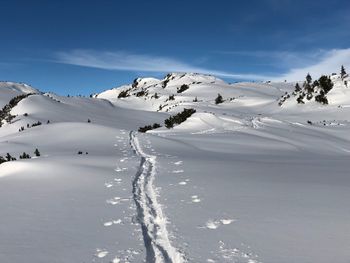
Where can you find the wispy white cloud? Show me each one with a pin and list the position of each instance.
(316, 63)
(296, 65)
(279, 58)
(329, 62)
(136, 62)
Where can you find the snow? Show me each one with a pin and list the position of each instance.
(242, 181)
(8, 90)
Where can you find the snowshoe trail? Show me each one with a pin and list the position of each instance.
(149, 211)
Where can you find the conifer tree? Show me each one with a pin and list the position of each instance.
(219, 99)
(36, 152)
(342, 72)
(308, 78)
(2, 160)
(8, 157)
(307, 84)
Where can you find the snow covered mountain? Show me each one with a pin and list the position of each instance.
(250, 174)
(10, 89)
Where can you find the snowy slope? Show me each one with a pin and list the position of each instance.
(246, 180)
(8, 90)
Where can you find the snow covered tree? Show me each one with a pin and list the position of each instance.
(342, 72)
(297, 87)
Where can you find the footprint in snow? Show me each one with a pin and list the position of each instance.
(235, 254)
(195, 199)
(214, 224)
(118, 180)
(182, 183)
(108, 223)
(226, 221)
(116, 200)
(101, 253)
(177, 171)
(118, 169)
(114, 222)
(178, 163)
(108, 185)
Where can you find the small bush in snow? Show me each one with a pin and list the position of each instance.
(182, 88)
(2, 160)
(149, 127)
(140, 93)
(178, 118)
(24, 156)
(9, 157)
(36, 124)
(219, 99)
(123, 94)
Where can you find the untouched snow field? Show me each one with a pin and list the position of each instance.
(243, 181)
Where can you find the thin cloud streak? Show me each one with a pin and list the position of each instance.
(329, 63)
(136, 62)
(278, 58)
(320, 62)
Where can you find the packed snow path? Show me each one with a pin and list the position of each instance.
(149, 211)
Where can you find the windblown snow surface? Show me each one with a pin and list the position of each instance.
(243, 181)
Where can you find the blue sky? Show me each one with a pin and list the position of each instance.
(81, 47)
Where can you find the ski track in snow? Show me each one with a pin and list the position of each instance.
(149, 211)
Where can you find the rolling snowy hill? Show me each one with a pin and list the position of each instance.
(252, 177)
